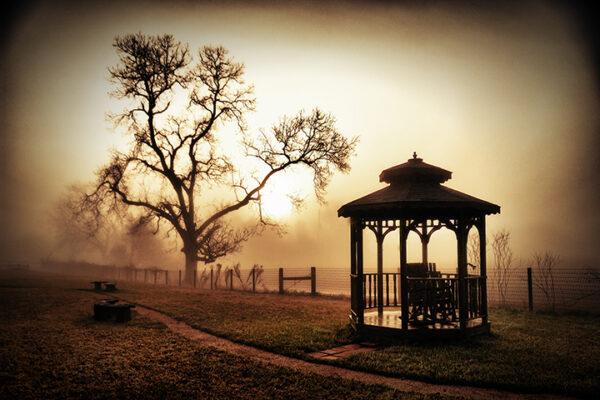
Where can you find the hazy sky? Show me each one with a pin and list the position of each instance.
(505, 97)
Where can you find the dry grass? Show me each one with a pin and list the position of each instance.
(292, 325)
(527, 352)
(50, 347)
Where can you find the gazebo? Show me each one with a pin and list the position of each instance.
(417, 301)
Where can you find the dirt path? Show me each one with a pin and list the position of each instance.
(329, 370)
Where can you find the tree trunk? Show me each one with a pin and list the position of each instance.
(190, 267)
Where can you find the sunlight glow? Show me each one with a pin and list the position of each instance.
(276, 205)
(277, 198)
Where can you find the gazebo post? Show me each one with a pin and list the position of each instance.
(380, 237)
(461, 236)
(403, 281)
(360, 272)
(424, 242)
(483, 268)
(356, 270)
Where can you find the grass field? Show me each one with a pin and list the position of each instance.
(52, 348)
(527, 352)
(48, 336)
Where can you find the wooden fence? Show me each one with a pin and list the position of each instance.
(574, 288)
(312, 278)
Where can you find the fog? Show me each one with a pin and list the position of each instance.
(505, 97)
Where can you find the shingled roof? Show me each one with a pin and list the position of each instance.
(415, 190)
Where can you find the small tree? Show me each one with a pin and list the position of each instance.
(175, 159)
(503, 262)
(473, 255)
(474, 251)
(543, 267)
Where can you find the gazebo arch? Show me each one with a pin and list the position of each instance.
(423, 302)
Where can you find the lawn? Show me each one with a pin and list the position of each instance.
(51, 347)
(527, 352)
(292, 324)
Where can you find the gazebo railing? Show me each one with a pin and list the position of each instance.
(437, 297)
(391, 283)
(475, 303)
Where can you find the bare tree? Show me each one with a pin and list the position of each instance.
(174, 160)
(544, 265)
(503, 260)
(474, 252)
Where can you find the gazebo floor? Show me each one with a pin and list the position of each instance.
(390, 324)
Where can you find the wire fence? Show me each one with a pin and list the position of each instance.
(573, 288)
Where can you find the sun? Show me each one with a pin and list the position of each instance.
(276, 202)
(276, 205)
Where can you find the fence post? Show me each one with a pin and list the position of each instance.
(530, 288)
(313, 281)
(211, 277)
(195, 274)
(254, 279)
(280, 280)
(230, 279)
(166, 277)
(179, 277)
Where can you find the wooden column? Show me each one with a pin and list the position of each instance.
(360, 271)
(424, 242)
(483, 268)
(356, 271)
(461, 238)
(403, 281)
(380, 237)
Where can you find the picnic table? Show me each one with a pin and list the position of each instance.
(108, 309)
(108, 286)
(97, 284)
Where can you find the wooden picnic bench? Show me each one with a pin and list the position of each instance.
(97, 284)
(109, 309)
(108, 286)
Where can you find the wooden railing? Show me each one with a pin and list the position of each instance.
(433, 297)
(391, 282)
(475, 304)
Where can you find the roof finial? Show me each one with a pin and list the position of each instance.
(414, 155)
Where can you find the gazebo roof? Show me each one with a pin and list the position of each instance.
(414, 170)
(415, 190)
